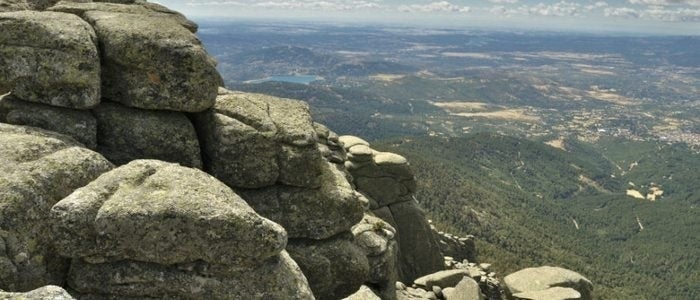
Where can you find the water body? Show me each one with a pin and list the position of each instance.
(301, 79)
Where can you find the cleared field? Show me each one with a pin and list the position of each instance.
(387, 77)
(506, 114)
(460, 107)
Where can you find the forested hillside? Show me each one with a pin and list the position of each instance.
(530, 204)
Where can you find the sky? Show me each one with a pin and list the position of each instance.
(633, 16)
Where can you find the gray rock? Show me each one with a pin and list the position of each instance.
(335, 267)
(253, 141)
(277, 277)
(152, 62)
(310, 213)
(37, 169)
(384, 190)
(446, 278)
(466, 289)
(49, 57)
(349, 141)
(13, 5)
(78, 124)
(125, 134)
(419, 251)
(160, 212)
(49, 292)
(545, 277)
(554, 293)
(376, 238)
(139, 8)
(364, 293)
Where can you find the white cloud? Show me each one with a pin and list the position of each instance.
(622, 12)
(665, 2)
(597, 5)
(442, 6)
(559, 9)
(656, 13)
(504, 1)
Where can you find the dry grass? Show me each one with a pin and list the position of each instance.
(558, 143)
(506, 114)
(387, 77)
(460, 107)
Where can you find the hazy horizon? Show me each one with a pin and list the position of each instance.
(666, 17)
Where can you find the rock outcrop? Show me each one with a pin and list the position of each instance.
(49, 57)
(548, 283)
(156, 229)
(37, 169)
(388, 182)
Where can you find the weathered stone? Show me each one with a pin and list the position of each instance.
(13, 5)
(151, 62)
(542, 278)
(160, 212)
(49, 292)
(277, 277)
(125, 134)
(554, 293)
(349, 141)
(384, 190)
(310, 213)
(376, 238)
(364, 293)
(49, 57)
(445, 278)
(253, 141)
(335, 267)
(37, 169)
(389, 159)
(300, 166)
(466, 289)
(139, 7)
(419, 251)
(78, 124)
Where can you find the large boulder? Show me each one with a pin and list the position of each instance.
(555, 293)
(49, 57)
(152, 62)
(78, 124)
(159, 212)
(314, 213)
(419, 251)
(335, 267)
(277, 278)
(37, 169)
(125, 134)
(376, 238)
(253, 141)
(139, 8)
(49, 292)
(546, 277)
(466, 289)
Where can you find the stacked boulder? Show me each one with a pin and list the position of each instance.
(389, 184)
(267, 149)
(37, 169)
(119, 78)
(132, 82)
(157, 229)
